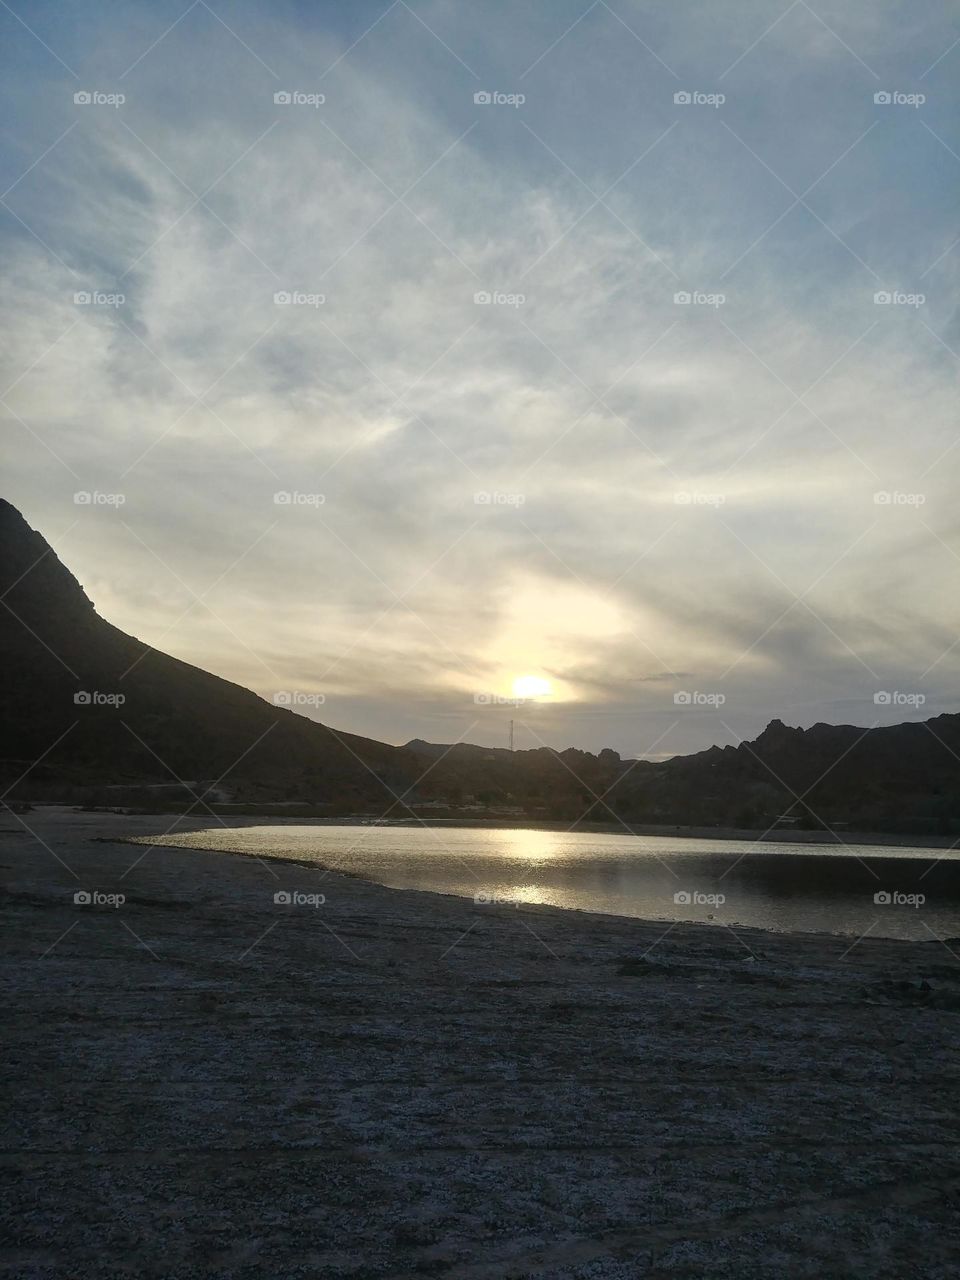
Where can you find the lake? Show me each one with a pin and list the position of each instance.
(849, 889)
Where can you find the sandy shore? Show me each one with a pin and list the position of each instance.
(276, 814)
(207, 1083)
(772, 835)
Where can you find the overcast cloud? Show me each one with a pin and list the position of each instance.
(683, 497)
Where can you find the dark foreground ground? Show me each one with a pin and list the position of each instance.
(206, 1083)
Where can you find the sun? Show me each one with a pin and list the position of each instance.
(531, 687)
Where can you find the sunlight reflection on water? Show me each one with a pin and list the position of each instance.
(788, 887)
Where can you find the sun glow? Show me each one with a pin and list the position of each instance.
(531, 687)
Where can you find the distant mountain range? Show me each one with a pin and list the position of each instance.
(903, 777)
(62, 667)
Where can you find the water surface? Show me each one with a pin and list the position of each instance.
(787, 887)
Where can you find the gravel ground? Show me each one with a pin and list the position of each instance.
(395, 1084)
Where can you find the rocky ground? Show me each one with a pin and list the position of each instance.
(208, 1083)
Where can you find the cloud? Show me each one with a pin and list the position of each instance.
(581, 476)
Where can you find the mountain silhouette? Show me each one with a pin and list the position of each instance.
(175, 721)
(63, 668)
(901, 777)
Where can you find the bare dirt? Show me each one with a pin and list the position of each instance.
(207, 1083)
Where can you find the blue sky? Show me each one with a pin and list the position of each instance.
(748, 494)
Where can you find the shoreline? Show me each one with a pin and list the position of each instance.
(784, 835)
(541, 907)
(209, 1079)
(93, 834)
(909, 873)
(780, 835)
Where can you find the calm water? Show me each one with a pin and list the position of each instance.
(787, 887)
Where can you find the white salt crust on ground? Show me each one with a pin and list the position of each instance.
(206, 1084)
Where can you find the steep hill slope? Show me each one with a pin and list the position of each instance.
(175, 720)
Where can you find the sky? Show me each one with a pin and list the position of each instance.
(379, 355)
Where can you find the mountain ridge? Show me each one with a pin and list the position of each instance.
(177, 721)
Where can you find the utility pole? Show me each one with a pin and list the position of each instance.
(511, 735)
